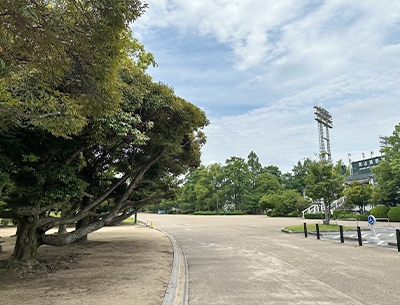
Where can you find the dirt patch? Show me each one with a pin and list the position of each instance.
(125, 264)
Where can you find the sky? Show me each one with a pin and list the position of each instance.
(258, 67)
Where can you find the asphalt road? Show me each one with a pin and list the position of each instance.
(248, 260)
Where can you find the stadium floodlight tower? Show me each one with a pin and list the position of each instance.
(324, 119)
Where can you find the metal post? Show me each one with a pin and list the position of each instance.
(135, 217)
(341, 234)
(398, 239)
(305, 230)
(317, 227)
(362, 191)
(359, 236)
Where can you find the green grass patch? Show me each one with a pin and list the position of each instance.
(311, 227)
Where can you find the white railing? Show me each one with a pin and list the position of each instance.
(320, 207)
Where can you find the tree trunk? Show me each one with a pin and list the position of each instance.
(80, 224)
(62, 229)
(327, 214)
(27, 241)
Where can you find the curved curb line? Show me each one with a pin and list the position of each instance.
(171, 293)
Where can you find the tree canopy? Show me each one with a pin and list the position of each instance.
(86, 137)
(59, 60)
(324, 183)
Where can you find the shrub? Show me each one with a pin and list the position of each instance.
(314, 216)
(204, 213)
(274, 214)
(394, 214)
(269, 212)
(380, 212)
(339, 213)
(293, 214)
(5, 222)
(232, 213)
(189, 211)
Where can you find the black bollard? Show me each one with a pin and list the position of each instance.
(359, 236)
(341, 234)
(317, 227)
(398, 239)
(305, 230)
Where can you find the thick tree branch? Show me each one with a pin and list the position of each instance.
(8, 215)
(29, 116)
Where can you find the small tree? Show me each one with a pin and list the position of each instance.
(357, 195)
(325, 182)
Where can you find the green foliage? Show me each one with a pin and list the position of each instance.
(322, 227)
(60, 60)
(117, 164)
(314, 216)
(296, 179)
(394, 214)
(269, 212)
(293, 214)
(357, 194)
(388, 172)
(356, 216)
(338, 213)
(204, 213)
(284, 202)
(324, 182)
(379, 211)
(275, 214)
(232, 213)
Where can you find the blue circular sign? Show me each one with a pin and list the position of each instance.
(371, 220)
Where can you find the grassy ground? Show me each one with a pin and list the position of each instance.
(311, 227)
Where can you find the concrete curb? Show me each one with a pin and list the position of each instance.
(177, 290)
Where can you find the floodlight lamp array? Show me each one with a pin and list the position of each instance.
(323, 116)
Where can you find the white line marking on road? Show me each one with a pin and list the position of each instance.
(337, 236)
(391, 234)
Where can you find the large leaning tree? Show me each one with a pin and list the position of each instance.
(117, 164)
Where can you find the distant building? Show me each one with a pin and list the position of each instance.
(361, 170)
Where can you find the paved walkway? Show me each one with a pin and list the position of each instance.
(248, 260)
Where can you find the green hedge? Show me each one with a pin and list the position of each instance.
(232, 213)
(204, 213)
(314, 216)
(394, 214)
(380, 212)
(293, 214)
(269, 212)
(338, 213)
(356, 216)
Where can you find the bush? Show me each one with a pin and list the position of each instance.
(394, 214)
(189, 211)
(339, 213)
(5, 222)
(269, 212)
(293, 214)
(356, 216)
(232, 213)
(204, 213)
(380, 212)
(314, 216)
(274, 214)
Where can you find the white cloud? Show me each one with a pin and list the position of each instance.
(340, 54)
